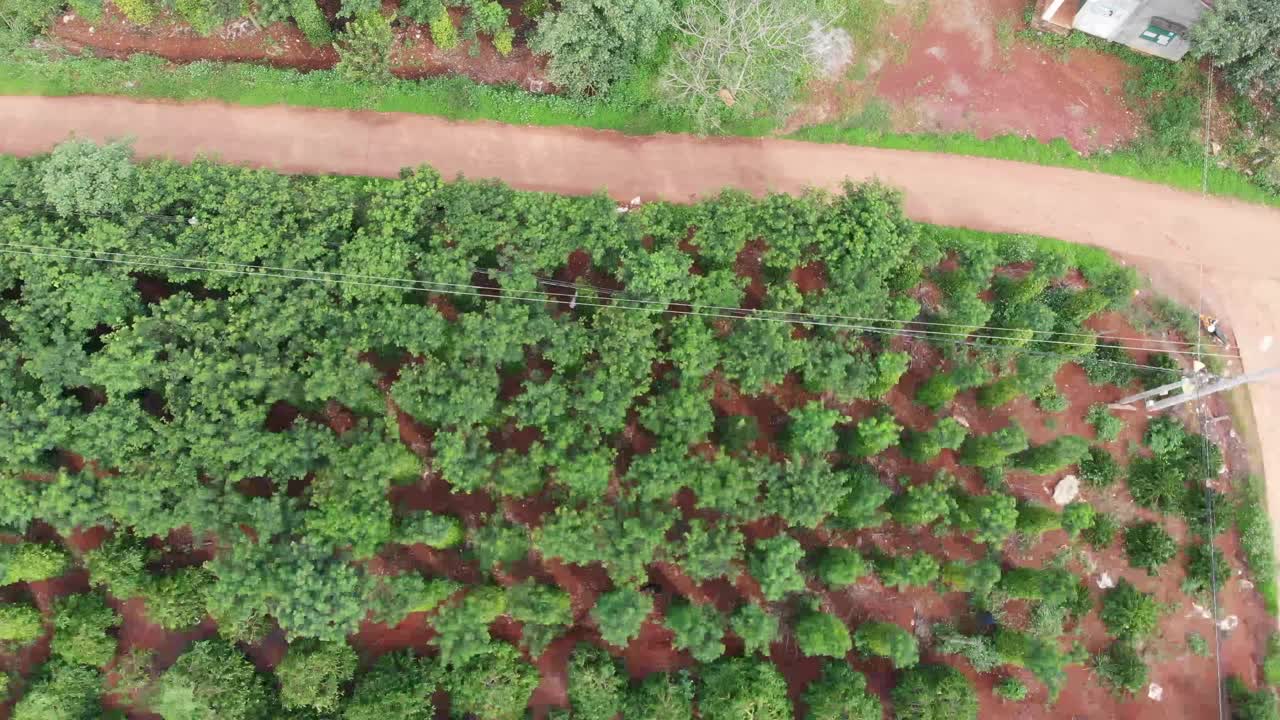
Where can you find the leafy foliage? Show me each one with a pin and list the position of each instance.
(661, 696)
(463, 626)
(1149, 546)
(593, 43)
(210, 680)
(1240, 36)
(841, 567)
(699, 629)
(841, 693)
(31, 562)
(822, 634)
(1129, 613)
(312, 675)
(736, 688)
(887, 640)
(364, 48)
(1106, 425)
(20, 624)
(82, 177)
(904, 571)
(711, 551)
(596, 685)
(81, 630)
(756, 626)
(400, 685)
(62, 691)
(934, 692)
(874, 435)
(1054, 455)
(620, 613)
(1121, 668)
(1099, 469)
(925, 445)
(774, 563)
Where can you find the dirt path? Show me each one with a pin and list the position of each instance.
(1239, 244)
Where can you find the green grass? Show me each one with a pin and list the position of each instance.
(631, 110)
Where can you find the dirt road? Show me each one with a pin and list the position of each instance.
(1226, 249)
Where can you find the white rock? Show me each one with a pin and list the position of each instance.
(635, 201)
(1068, 489)
(1228, 623)
(1246, 584)
(623, 209)
(963, 423)
(1201, 611)
(1265, 345)
(1155, 692)
(1105, 581)
(1197, 366)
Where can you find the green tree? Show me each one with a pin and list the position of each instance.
(736, 688)
(710, 551)
(544, 610)
(661, 696)
(84, 178)
(874, 435)
(1098, 469)
(936, 391)
(841, 567)
(699, 629)
(803, 493)
(991, 518)
(31, 562)
(1001, 392)
(1121, 668)
(904, 571)
(1129, 613)
(312, 675)
(1077, 517)
(1054, 455)
(179, 600)
(399, 685)
(1149, 546)
(210, 680)
(861, 506)
(925, 445)
(992, 450)
(596, 685)
(1011, 689)
(594, 43)
(1035, 520)
(62, 691)
(1241, 37)
(757, 627)
(364, 48)
(20, 624)
(620, 613)
(425, 528)
(774, 563)
(934, 692)
(887, 640)
(922, 504)
(977, 577)
(841, 693)
(820, 634)
(463, 626)
(812, 430)
(1106, 425)
(498, 543)
(82, 630)
(1249, 704)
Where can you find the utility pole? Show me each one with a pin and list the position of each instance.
(1193, 388)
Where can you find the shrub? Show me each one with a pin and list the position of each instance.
(979, 650)
(1129, 613)
(596, 685)
(84, 178)
(774, 563)
(495, 685)
(312, 675)
(991, 518)
(978, 577)
(419, 11)
(1035, 520)
(62, 691)
(819, 634)
(1098, 469)
(841, 567)
(874, 435)
(498, 543)
(922, 504)
(398, 685)
(699, 629)
(1011, 689)
(812, 430)
(138, 12)
(81, 630)
(841, 693)
(1255, 540)
(312, 22)
(1156, 484)
(620, 613)
(1206, 568)
(1052, 586)
(1054, 455)
(1000, 392)
(504, 41)
(20, 624)
(462, 627)
(1270, 662)
(1077, 517)
(177, 601)
(434, 531)
(737, 432)
(924, 446)
(934, 692)
(1149, 547)
(1121, 668)
(904, 571)
(1103, 531)
(1163, 369)
(1108, 364)
(887, 640)
(211, 680)
(938, 390)
(1106, 425)
(593, 43)
(31, 562)
(544, 611)
(1199, 646)
(736, 688)
(756, 626)
(985, 451)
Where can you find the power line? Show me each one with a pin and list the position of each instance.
(528, 295)
(494, 294)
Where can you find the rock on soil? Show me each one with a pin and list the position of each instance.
(1067, 490)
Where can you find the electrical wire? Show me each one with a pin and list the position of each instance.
(529, 295)
(563, 299)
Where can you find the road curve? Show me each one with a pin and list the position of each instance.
(1225, 250)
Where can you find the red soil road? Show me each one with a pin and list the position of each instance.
(1219, 249)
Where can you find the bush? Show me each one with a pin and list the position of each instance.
(978, 577)
(1106, 425)
(1000, 392)
(139, 12)
(399, 686)
(1206, 568)
(736, 688)
(211, 680)
(821, 635)
(812, 430)
(495, 685)
(841, 693)
(1270, 662)
(984, 451)
(444, 35)
(1052, 456)
(594, 43)
(312, 675)
(922, 504)
(61, 691)
(1255, 540)
(774, 563)
(1129, 613)
(1121, 668)
(904, 571)
(991, 518)
(699, 629)
(1163, 370)
(1035, 520)
(841, 567)
(424, 528)
(887, 640)
(938, 390)
(1098, 469)
(462, 626)
(1108, 364)
(20, 624)
(756, 626)
(596, 685)
(312, 22)
(82, 630)
(737, 432)
(1103, 532)
(1011, 689)
(620, 613)
(1149, 547)
(934, 692)
(1248, 704)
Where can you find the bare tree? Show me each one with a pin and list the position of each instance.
(741, 57)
